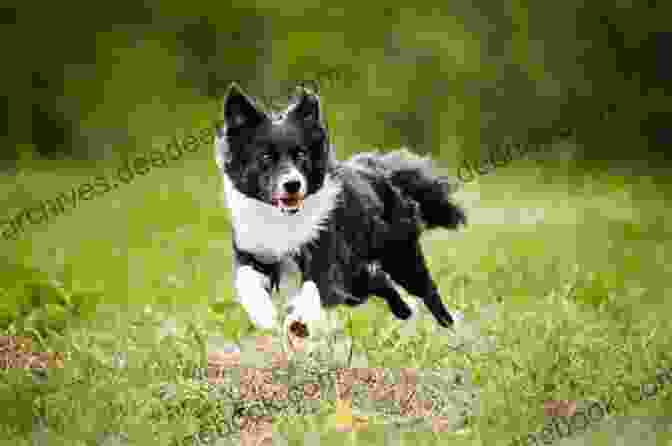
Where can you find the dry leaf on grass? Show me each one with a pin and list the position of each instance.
(259, 398)
(16, 352)
(559, 408)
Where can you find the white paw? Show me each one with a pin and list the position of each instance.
(306, 309)
(264, 319)
(254, 298)
(306, 306)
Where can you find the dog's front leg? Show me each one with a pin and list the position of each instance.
(306, 306)
(306, 313)
(253, 290)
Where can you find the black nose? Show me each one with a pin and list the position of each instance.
(292, 187)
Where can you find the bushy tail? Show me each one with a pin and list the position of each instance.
(415, 177)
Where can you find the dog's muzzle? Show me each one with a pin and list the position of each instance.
(288, 203)
(290, 194)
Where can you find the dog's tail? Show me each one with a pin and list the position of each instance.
(415, 177)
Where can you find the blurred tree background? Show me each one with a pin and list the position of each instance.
(94, 80)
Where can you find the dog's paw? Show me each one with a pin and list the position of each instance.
(263, 317)
(304, 325)
(402, 312)
(255, 299)
(266, 321)
(306, 306)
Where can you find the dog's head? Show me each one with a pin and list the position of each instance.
(278, 160)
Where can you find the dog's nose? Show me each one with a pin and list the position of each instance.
(292, 187)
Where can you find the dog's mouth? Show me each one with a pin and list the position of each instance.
(289, 204)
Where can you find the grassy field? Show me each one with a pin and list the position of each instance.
(563, 273)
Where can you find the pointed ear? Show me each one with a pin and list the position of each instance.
(239, 109)
(307, 107)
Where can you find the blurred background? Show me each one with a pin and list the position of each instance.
(96, 80)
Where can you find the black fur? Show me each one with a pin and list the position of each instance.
(385, 208)
(372, 236)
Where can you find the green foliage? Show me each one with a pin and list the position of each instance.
(570, 307)
(549, 316)
(442, 78)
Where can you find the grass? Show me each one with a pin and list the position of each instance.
(563, 273)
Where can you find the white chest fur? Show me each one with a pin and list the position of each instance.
(263, 230)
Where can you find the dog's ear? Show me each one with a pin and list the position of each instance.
(240, 111)
(307, 108)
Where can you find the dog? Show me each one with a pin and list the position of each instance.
(350, 228)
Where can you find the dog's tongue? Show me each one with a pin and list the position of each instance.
(288, 203)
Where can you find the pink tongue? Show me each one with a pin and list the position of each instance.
(286, 202)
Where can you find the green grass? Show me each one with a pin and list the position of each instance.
(578, 298)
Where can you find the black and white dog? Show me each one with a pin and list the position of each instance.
(350, 228)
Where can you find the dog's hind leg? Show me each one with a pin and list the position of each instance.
(371, 279)
(413, 275)
(380, 284)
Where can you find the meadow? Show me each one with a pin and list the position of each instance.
(561, 277)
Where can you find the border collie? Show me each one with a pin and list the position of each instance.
(351, 228)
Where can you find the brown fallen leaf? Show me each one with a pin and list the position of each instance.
(559, 408)
(440, 424)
